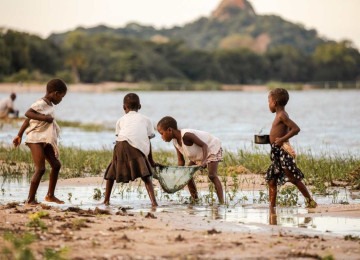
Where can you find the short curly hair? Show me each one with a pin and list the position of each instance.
(280, 95)
(56, 85)
(167, 122)
(132, 101)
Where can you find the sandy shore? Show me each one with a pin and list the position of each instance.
(166, 234)
(106, 87)
(96, 88)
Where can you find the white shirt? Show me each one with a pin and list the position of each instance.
(41, 131)
(136, 129)
(5, 105)
(195, 152)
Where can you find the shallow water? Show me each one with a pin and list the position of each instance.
(241, 209)
(327, 118)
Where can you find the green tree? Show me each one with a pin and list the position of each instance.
(239, 67)
(74, 48)
(288, 64)
(336, 61)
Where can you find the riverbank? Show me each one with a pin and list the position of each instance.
(164, 233)
(108, 87)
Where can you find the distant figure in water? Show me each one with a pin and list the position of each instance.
(283, 167)
(7, 106)
(200, 147)
(132, 156)
(42, 134)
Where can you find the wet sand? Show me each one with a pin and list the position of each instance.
(158, 234)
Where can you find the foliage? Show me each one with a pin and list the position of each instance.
(239, 48)
(320, 171)
(19, 246)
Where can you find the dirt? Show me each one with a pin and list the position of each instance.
(75, 233)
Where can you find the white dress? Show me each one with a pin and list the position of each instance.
(41, 131)
(136, 129)
(194, 152)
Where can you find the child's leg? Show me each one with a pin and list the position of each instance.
(272, 216)
(272, 193)
(302, 188)
(150, 189)
(192, 186)
(192, 189)
(109, 186)
(37, 152)
(54, 174)
(213, 167)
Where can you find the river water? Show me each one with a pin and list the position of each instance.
(329, 119)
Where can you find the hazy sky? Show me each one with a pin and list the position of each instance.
(333, 19)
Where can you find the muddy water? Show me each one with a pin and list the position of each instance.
(245, 208)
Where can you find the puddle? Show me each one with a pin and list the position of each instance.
(241, 210)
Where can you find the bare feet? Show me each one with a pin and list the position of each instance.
(106, 202)
(310, 203)
(53, 199)
(31, 203)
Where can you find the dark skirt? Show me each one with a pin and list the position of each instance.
(128, 164)
(282, 160)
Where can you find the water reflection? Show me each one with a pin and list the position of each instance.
(135, 199)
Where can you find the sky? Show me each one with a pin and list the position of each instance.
(333, 19)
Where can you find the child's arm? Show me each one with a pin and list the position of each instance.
(17, 139)
(294, 129)
(190, 138)
(181, 159)
(32, 114)
(150, 158)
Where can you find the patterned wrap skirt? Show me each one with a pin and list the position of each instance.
(282, 160)
(128, 164)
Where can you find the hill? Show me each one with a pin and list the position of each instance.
(233, 24)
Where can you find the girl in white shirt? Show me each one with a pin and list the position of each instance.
(42, 133)
(132, 157)
(200, 147)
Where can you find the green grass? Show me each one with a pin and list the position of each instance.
(320, 171)
(85, 127)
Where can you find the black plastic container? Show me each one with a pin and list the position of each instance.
(262, 139)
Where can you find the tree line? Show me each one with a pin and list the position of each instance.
(80, 57)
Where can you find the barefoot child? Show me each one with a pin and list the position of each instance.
(42, 133)
(132, 157)
(201, 148)
(283, 167)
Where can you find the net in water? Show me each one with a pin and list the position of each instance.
(174, 178)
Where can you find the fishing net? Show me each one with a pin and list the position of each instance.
(174, 178)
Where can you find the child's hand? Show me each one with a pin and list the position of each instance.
(203, 164)
(278, 141)
(49, 119)
(17, 141)
(154, 164)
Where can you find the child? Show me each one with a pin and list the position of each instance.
(283, 167)
(201, 148)
(7, 106)
(132, 157)
(42, 134)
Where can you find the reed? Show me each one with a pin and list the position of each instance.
(321, 171)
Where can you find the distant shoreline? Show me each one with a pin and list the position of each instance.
(123, 86)
(108, 87)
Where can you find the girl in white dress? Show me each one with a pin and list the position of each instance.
(200, 147)
(42, 134)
